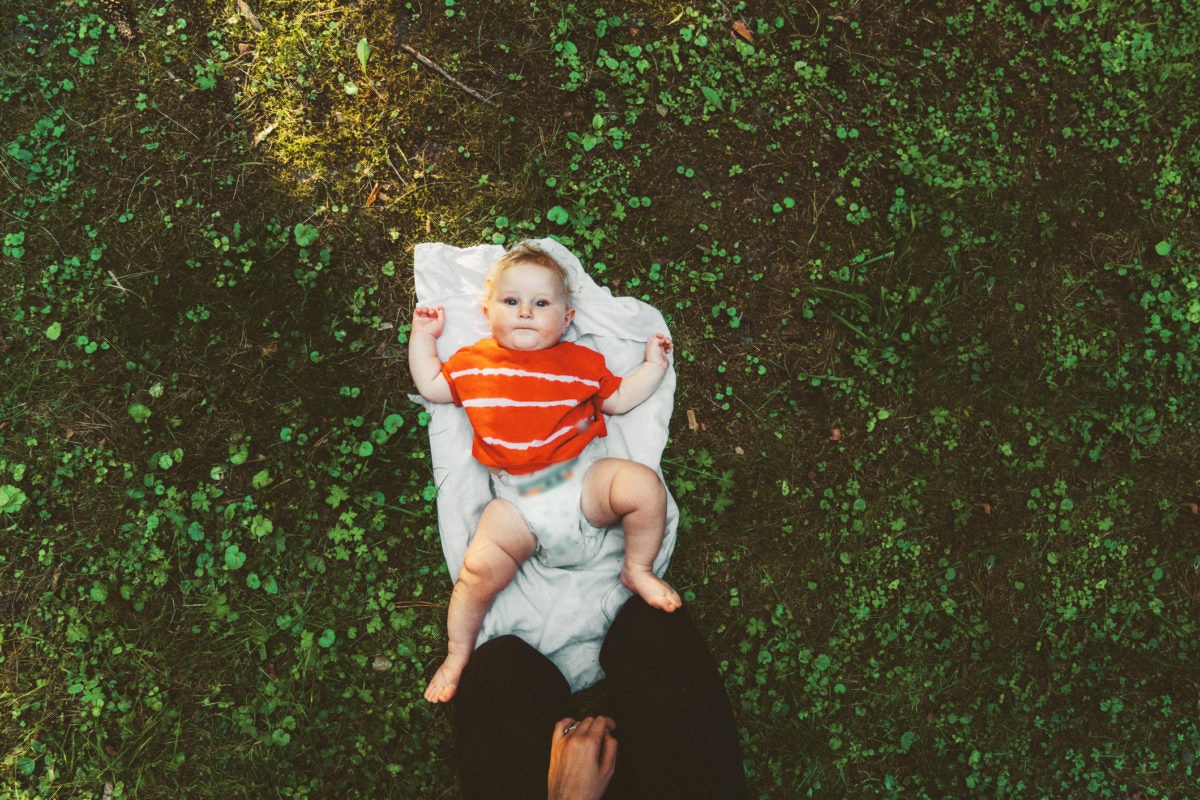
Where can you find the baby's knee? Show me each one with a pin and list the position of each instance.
(477, 566)
(501, 539)
(636, 480)
(486, 570)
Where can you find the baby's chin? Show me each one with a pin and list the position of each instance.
(524, 340)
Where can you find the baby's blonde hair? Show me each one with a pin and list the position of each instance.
(526, 252)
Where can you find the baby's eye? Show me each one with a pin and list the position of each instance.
(510, 301)
(542, 303)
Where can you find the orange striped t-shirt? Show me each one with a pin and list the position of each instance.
(530, 408)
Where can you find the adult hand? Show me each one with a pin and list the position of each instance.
(583, 757)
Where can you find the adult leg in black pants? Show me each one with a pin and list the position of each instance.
(675, 728)
(675, 731)
(508, 699)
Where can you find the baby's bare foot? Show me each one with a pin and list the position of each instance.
(651, 588)
(445, 680)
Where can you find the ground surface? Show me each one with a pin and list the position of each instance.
(931, 271)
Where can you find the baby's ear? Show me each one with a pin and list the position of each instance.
(570, 315)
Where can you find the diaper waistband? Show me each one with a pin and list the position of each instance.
(528, 484)
(543, 480)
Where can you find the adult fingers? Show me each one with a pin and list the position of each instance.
(565, 726)
(608, 723)
(594, 727)
(597, 726)
(608, 753)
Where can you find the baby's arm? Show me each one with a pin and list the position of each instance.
(638, 386)
(423, 359)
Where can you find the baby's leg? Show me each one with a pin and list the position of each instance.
(502, 543)
(617, 489)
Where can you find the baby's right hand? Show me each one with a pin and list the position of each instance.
(429, 319)
(658, 350)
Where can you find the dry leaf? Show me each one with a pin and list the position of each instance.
(374, 194)
(693, 425)
(985, 507)
(381, 664)
(741, 30)
(268, 349)
(264, 133)
(835, 435)
(1192, 507)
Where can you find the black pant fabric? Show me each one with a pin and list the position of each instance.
(508, 699)
(675, 729)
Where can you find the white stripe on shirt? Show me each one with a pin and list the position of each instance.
(520, 373)
(558, 434)
(505, 402)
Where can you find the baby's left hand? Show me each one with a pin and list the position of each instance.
(658, 350)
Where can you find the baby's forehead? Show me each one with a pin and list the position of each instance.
(550, 277)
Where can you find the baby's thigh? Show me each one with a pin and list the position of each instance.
(613, 487)
(502, 528)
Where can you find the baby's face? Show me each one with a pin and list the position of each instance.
(528, 308)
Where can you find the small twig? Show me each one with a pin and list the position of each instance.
(177, 122)
(10, 177)
(433, 65)
(248, 13)
(388, 156)
(116, 284)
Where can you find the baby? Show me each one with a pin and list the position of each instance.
(536, 405)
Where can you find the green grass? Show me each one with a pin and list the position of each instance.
(931, 269)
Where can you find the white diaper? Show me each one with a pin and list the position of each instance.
(549, 500)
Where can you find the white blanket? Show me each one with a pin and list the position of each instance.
(563, 612)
